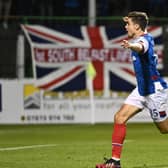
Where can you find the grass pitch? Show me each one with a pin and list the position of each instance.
(79, 146)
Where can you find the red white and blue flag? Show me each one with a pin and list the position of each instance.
(60, 56)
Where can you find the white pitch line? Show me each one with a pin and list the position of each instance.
(27, 147)
(128, 140)
(39, 146)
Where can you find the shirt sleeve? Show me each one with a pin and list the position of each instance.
(144, 42)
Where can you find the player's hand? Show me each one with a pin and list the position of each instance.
(125, 44)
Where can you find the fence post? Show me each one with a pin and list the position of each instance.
(20, 57)
(92, 12)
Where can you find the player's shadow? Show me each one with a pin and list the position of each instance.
(152, 166)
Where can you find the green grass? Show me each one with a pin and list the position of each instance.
(80, 146)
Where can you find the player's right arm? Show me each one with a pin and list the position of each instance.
(137, 46)
(140, 45)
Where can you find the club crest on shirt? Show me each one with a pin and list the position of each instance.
(133, 58)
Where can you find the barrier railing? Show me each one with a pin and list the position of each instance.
(76, 19)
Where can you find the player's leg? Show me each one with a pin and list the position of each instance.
(126, 112)
(132, 105)
(119, 134)
(157, 105)
(163, 126)
(119, 131)
(162, 122)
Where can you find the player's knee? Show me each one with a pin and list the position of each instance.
(119, 118)
(164, 130)
(163, 126)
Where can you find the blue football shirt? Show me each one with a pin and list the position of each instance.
(145, 66)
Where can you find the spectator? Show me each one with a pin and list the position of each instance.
(5, 7)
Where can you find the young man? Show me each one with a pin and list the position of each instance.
(151, 90)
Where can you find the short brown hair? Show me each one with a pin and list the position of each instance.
(139, 18)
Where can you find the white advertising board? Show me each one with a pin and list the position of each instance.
(23, 103)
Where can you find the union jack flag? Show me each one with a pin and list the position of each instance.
(60, 56)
